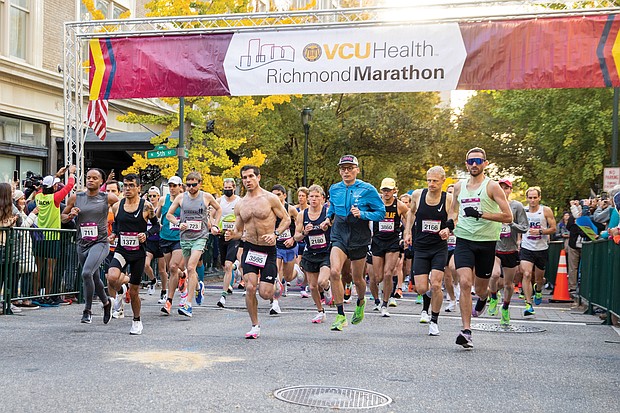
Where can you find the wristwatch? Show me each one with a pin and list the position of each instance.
(541, 231)
(277, 233)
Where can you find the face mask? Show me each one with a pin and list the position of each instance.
(228, 192)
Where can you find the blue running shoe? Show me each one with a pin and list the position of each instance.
(199, 293)
(186, 310)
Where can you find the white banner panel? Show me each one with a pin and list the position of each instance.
(373, 59)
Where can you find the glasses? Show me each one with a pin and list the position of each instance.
(172, 185)
(477, 161)
(347, 168)
(192, 185)
(130, 186)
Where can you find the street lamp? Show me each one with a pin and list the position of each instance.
(306, 117)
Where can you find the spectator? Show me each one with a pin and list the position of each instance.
(602, 213)
(575, 240)
(563, 233)
(9, 216)
(26, 267)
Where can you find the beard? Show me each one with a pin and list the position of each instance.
(472, 173)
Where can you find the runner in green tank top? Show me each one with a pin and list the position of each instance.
(479, 207)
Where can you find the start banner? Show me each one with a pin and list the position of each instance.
(567, 52)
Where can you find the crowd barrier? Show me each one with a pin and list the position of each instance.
(600, 277)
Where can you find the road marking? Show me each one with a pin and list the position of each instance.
(176, 361)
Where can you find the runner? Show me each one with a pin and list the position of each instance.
(450, 278)
(91, 209)
(432, 228)
(130, 217)
(480, 206)
(302, 198)
(228, 249)
(153, 250)
(353, 203)
(405, 258)
(194, 225)
(315, 261)
(535, 248)
(256, 218)
(385, 245)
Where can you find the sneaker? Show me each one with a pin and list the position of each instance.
(339, 323)
(384, 312)
(392, 302)
(200, 293)
(253, 333)
(492, 306)
(279, 289)
(163, 299)
(87, 317)
(304, 294)
(529, 310)
(118, 314)
(537, 297)
(183, 298)
(505, 321)
(399, 293)
(433, 329)
(450, 307)
(457, 291)
(347, 292)
(229, 291)
(418, 299)
(521, 294)
(358, 314)
(186, 310)
(241, 285)
(221, 302)
(275, 308)
(329, 298)
(118, 302)
(151, 289)
(424, 317)
(285, 291)
(475, 313)
(136, 328)
(107, 311)
(166, 308)
(127, 296)
(465, 340)
(182, 283)
(377, 307)
(17, 310)
(319, 317)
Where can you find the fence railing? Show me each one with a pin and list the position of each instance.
(600, 277)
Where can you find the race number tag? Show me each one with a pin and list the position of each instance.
(228, 226)
(173, 226)
(284, 235)
(430, 225)
(452, 240)
(506, 231)
(536, 226)
(386, 225)
(317, 241)
(471, 202)
(130, 241)
(194, 225)
(256, 258)
(89, 231)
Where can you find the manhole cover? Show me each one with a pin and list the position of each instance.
(332, 397)
(513, 328)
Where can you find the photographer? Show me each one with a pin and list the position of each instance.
(602, 214)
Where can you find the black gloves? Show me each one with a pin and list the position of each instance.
(472, 213)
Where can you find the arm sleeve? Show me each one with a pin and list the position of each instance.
(60, 195)
(521, 223)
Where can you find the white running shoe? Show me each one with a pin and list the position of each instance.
(221, 302)
(457, 291)
(433, 329)
(253, 333)
(118, 301)
(151, 289)
(450, 307)
(319, 317)
(183, 299)
(377, 307)
(384, 312)
(329, 299)
(392, 302)
(136, 328)
(118, 314)
(162, 299)
(275, 308)
(304, 293)
(424, 317)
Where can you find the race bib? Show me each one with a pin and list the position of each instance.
(317, 241)
(228, 226)
(89, 231)
(472, 202)
(430, 225)
(506, 231)
(256, 258)
(452, 240)
(173, 226)
(194, 225)
(130, 241)
(535, 225)
(284, 235)
(386, 225)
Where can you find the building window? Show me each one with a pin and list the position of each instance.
(23, 132)
(18, 23)
(110, 9)
(7, 166)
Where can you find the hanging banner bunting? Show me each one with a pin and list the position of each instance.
(568, 52)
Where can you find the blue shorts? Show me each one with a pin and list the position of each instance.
(287, 254)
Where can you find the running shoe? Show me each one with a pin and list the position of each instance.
(392, 302)
(107, 311)
(399, 293)
(275, 308)
(200, 293)
(499, 296)
(384, 312)
(162, 298)
(329, 298)
(136, 328)
(182, 283)
(183, 298)
(347, 292)
(279, 289)
(433, 329)
(127, 296)
(229, 291)
(167, 307)
(87, 317)
(465, 340)
(241, 285)
(418, 299)
(151, 289)
(521, 294)
(285, 291)
(304, 294)
(377, 307)
(358, 314)
(339, 323)
(537, 296)
(221, 302)
(118, 302)
(450, 307)
(492, 306)
(118, 314)
(186, 310)
(253, 333)
(529, 310)
(424, 317)
(505, 321)
(319, 317)
(476, 313)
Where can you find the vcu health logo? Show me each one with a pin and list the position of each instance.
(312, 52)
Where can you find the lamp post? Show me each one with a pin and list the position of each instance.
(306, 117)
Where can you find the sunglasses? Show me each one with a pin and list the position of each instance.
(192, 185)
(152, 196)
(172, 185)
(477, 161)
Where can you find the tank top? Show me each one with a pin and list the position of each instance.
(129, 225)
(429, 220)
(287, 233)
(388, 229)
(169, 231)
(316, 240)
(194, 214)
(228, 214)
(110, 225)
(468, 227)
(92, 221)
(537, 220)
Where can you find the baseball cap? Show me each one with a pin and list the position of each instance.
(154, 189)
(348, 159)
(388, 183)
(506, 182)
(49, 181)
(17, 195)
(175, 180)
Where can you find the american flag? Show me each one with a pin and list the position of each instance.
(98, 117)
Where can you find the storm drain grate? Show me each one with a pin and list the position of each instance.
(513, 328)
(332, 397)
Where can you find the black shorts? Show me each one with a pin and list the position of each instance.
(369, 257)
(353, 254)
(154, 248)
(228, 250)
(380, 247)
(431, 259)
(46, 248)
(409, 253)
(168, 246)
(311, 262)
(508, 259)
(136, 267)
(478, 255)
(301, 246)
(269, 271)
(538, 258)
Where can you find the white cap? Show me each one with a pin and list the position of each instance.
(154, 189)
(175, 180)
(49, 181)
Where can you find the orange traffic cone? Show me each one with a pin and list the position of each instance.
(560, 292)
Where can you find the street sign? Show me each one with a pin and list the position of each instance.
(611, 178)
(161, 152)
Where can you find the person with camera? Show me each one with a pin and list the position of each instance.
(602, 213)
